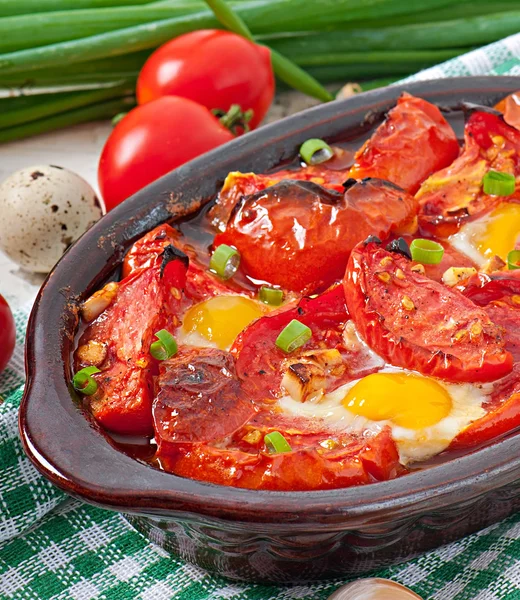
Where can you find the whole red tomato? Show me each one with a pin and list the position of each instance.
(153, 139)
(214, 68)
(7, 333)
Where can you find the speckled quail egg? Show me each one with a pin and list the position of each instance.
(43, 210)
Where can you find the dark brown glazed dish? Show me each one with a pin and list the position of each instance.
(243, 534)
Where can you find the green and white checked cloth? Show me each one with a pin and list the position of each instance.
(53, 547)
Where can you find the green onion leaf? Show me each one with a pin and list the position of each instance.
(270, 295)
(513, 260)
(315, 151)
(119, 117)
(427, 252)
(496, 183)
(276, 443)
(296, 334)
(84, 383)
(165, 348)
(225, 261)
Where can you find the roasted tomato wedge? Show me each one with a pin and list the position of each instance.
(299, 235)
(239, 184)
(417, 323)
(413, 142)
(503, 414)
(199, 398)
(261, 365)
(358, 461)
(118, 342)
(200, 283)
(455, 194)
(499, 295)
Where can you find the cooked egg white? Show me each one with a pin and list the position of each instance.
(424, 414)
(493, 234)
(216, 322)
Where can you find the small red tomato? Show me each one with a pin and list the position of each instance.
(214, 68)
(7, 333)
(152, 140)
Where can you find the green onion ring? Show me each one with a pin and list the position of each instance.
(293, 336)
(225, 261)
(315, 151)
(513, 260)
(427, 252)
(276, 443)
(496, 183)
(165, 348)
(84, 382)
(270, 295)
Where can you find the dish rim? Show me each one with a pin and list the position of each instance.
(136, 487)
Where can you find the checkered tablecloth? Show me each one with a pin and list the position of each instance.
(53, 547)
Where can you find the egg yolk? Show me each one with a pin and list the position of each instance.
(501, 232)
(404, 399)
(221, 319)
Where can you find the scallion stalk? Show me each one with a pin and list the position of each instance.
(94, 112)
(427, 252)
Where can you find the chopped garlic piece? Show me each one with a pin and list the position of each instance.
(455, 275)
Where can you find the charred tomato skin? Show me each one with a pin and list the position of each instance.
(299, 235)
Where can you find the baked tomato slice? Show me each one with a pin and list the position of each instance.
(358, 461)
(499, 295)
(327, 360)
(502, 414)
(198, 398)
(420, 324)
(413, 142)
(239, 184)
(118, 342)
(455, 194)
(299, 235)
(451, 258)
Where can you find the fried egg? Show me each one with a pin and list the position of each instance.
(423, 413)
(494, 234)
(217, 321)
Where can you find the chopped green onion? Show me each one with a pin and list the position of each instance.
(119, 117)
(84, 383)
(315, 151)
(496, 183)
(276, 443)
(427, 252)
(165, 348)
(270, 296)
(513, 260)
(296, 334)
(225, 261)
